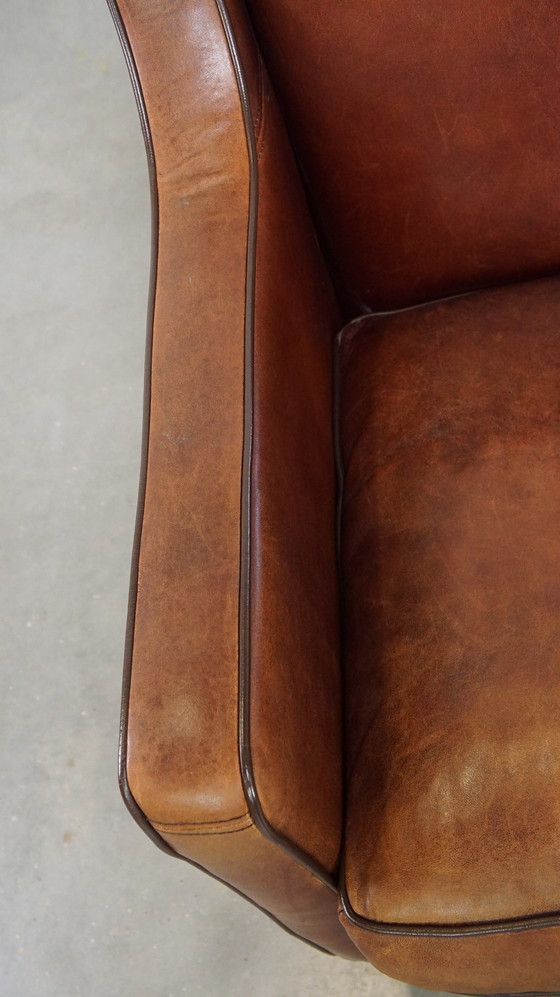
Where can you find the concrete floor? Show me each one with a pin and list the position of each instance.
(88, 906)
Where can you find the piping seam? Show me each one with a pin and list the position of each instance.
(473, 930)
(261, 823)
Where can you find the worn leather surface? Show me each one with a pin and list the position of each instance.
(186, 610)
(450, 435)
(183, 736)
(429, 135)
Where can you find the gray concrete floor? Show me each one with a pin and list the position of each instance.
(88, 906)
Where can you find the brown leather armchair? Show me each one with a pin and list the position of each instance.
(416, 207)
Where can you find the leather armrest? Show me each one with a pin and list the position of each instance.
(231, 744)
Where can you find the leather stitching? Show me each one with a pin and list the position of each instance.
(206, 833)
(205, 827)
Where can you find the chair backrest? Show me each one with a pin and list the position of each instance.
(429, 132)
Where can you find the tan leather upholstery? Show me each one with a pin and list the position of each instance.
(229, 657)
(450, 433)
(427, 135)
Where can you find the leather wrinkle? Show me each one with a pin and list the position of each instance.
(228, 820)
(171, 829)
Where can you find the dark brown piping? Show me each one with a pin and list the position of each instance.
(247, 773)
(474, 929)
(133, 807)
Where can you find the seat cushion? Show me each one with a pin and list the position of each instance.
(450, 439)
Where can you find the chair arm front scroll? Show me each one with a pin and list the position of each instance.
(231, 744)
